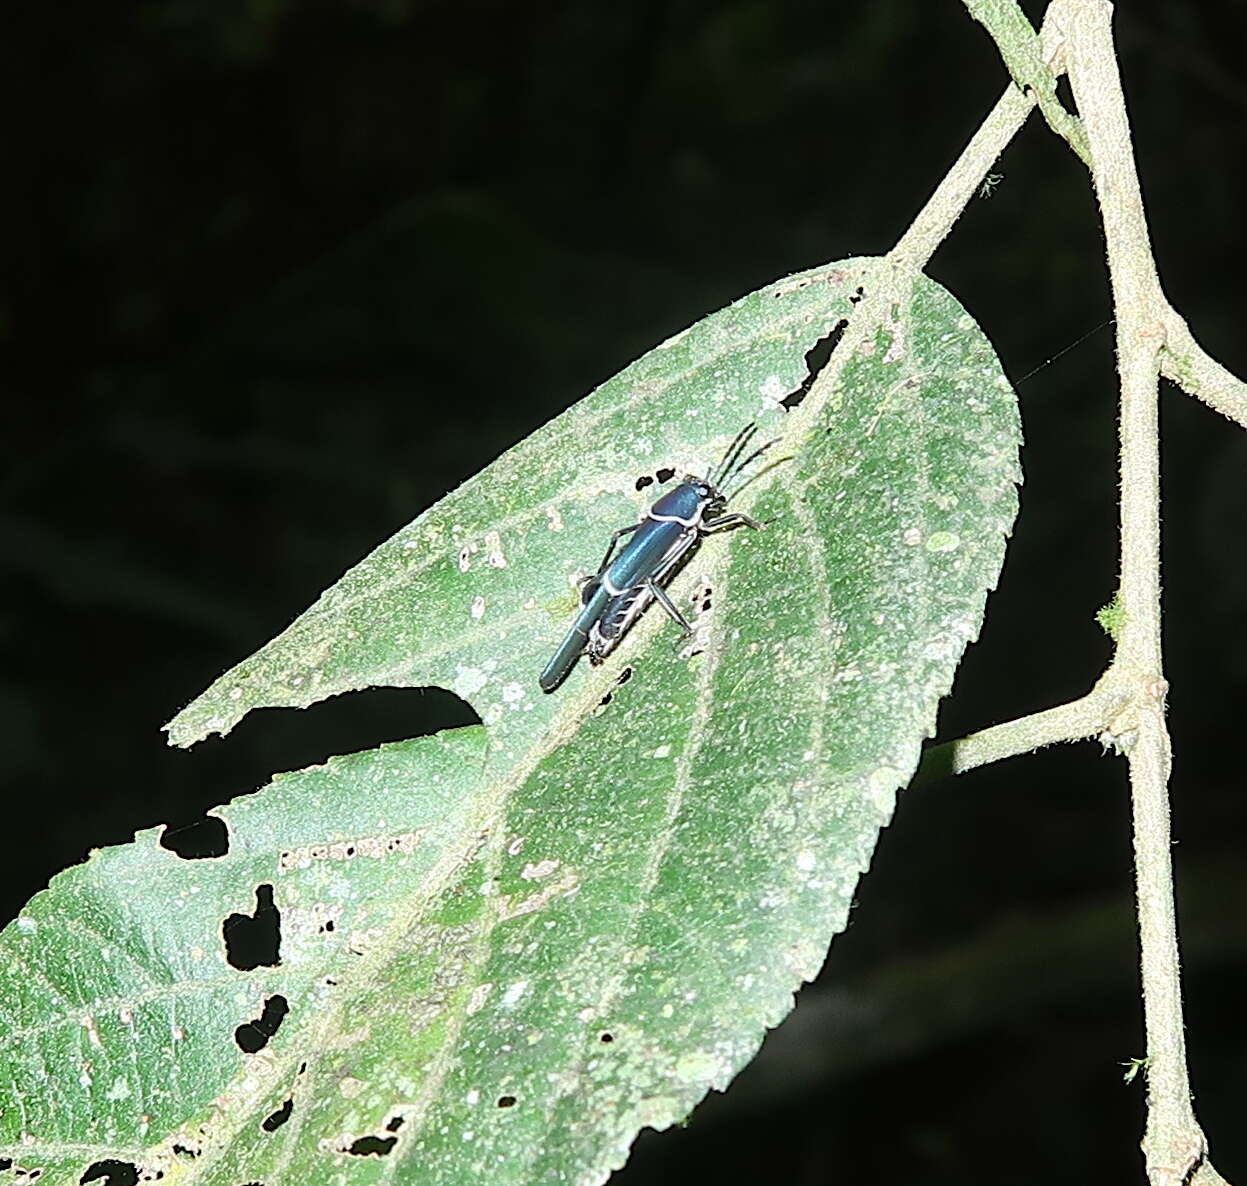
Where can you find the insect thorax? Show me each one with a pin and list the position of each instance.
(686, 503)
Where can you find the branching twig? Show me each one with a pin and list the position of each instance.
(1127, 704)
(1183, 360)
(1173, 1144)
(1126, 707)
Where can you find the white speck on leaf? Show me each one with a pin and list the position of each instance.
(696, 1066)
(478, 608)
(663, 751)
(943, 541)
(513, 693)
(493, 548)
(556, 520)
(469, 680)
(512, 996)
(897, 346)
(535, 870)
(912, 536)
(806, 861)
(773, 390)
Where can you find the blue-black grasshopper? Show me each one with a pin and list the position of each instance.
(622, 589)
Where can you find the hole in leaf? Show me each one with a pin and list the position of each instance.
(506, 1101)
(184, 1151)
(665, 475)
(371, 1146)
(277, 1119)
(815, 359)
(608, 1037)
(254, 940)
(286, 739)
(111, 1172)
(643, 481)
(207, 837)
(395, 1123)
(857, 296)
(703, 598)
(624, 676)
(1065, 95)
(252, 1036)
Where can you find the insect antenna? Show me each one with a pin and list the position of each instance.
(734, 450)
(742, 466)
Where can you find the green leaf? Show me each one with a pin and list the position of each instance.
(506, 949)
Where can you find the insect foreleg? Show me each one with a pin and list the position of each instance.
(731, 520)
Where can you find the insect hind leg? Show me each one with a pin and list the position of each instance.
(673, 612)
(610, 548)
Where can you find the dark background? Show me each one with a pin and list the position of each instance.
(279, 275)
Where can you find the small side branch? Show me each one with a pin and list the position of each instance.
(1100, 713)
(1184, 362)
